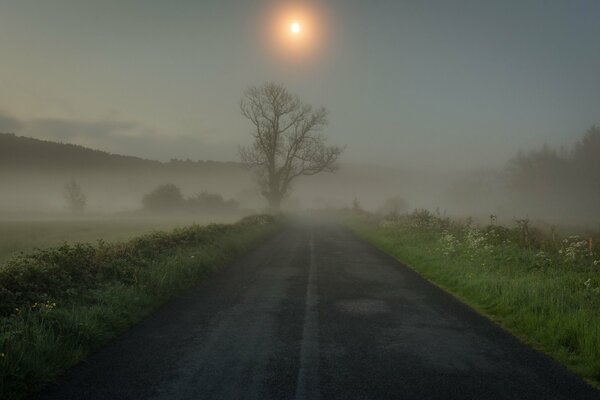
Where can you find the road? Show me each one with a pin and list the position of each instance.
(316, 313)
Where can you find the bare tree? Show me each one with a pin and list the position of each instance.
(288, 142)
(75, 197)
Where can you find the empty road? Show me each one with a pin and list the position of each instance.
(316, 313)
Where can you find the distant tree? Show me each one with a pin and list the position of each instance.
(288, 142)
(213, 203)
(542, 171)
(586, 170)
(75, 198)
(164, 198)
(356, 206)
(558, 182)
(394, 205)
(586, 154)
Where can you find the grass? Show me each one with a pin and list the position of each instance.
(25, 235)
(546, 290)
(58, 305)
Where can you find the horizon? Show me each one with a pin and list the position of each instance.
(299, 199)
(342, 163)
(443, 87)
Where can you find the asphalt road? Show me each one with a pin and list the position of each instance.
(316, 313)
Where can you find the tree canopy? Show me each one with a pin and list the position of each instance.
(288, 140)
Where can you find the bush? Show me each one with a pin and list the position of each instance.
(168, 198)
(64, 272)
(542, 287)
(59, 304)
(164, 198)
(211, 203)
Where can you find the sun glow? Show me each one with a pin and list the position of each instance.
(296, 32)
(295, 27)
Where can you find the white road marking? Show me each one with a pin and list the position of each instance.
(307, 386)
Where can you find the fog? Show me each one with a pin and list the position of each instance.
(471, 109)
(549, 185)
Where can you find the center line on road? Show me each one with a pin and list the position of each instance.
(307, 386)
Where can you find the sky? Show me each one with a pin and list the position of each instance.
(421, 84)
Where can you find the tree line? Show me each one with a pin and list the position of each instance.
(552, 179)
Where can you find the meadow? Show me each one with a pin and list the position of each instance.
(59, 304)
(20, 234)
(542, 287)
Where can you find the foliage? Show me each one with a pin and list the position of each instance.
(548, 179)
(57, 305)
(26, 153)
(164, 198)
(543, 288)
(212, 203)
(288, 142)
(75, 198)
(168, 198)
(17, 236)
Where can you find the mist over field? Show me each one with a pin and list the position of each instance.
(554, 186)
(307, 199)
(470, 114)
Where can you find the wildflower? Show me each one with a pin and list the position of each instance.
(574, 249)
(386, 223)
(448, 242)
(48, 305)
(542, 259)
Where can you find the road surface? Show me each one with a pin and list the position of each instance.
(316, 313)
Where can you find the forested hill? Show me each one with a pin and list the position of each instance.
(23, 153)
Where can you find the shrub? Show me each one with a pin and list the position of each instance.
(168, 198)
(59, 304)
(211, 203)
(164, 198)
(64, 272)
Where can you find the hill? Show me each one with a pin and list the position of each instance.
(33, 174)
(22, 153)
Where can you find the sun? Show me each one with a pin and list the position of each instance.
(295, 27)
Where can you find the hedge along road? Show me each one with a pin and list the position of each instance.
(317, 313)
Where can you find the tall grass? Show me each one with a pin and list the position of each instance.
(25, 235)
(543, 288)
(59, 304)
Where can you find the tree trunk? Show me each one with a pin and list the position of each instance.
(275, 202)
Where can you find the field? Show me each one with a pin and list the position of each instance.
(59, 304)
(543, 288)
(25, 235)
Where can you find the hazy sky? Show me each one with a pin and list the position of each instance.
(427, 84)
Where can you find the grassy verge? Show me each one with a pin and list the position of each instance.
(544, 289)
(26, 235)
(58, 305)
